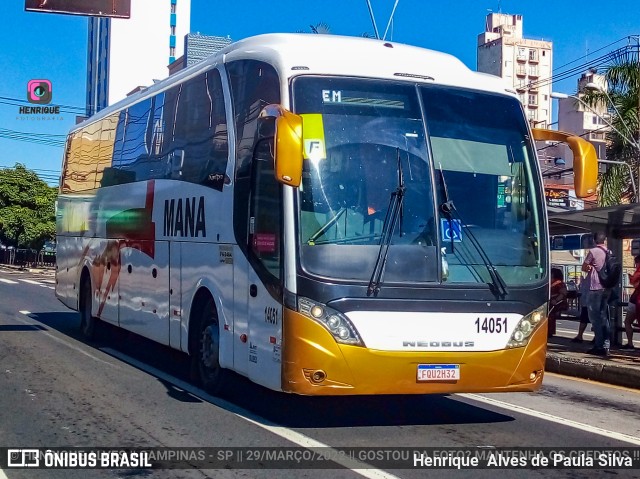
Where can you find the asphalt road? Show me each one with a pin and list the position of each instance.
(58, 390)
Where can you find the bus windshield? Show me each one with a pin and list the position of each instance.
(435, 145)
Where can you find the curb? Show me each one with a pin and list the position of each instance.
(605, 372)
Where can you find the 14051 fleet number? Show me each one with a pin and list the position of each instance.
(491, 325)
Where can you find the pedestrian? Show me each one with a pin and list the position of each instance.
(632, 307)
(557, 300)
(597, 299)
(583, 291)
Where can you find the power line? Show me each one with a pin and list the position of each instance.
(45, 139)
(20, 102)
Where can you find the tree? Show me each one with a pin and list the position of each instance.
(27, 208)
(322, 28)
(623, 80)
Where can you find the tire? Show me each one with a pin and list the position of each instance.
(88, 323)
(206, 357)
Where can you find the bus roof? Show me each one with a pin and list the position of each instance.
(294, 54)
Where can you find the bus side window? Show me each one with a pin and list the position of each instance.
(201, 131)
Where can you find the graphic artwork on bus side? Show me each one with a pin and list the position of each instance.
(131, 228)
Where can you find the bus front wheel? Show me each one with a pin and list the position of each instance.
(207, 356)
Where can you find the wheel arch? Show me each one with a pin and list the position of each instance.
(85, 275)
(202, 295)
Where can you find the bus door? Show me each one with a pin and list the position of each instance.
(265, 273)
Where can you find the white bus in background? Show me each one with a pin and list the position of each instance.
(323, 215)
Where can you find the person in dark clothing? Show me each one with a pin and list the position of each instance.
(558, 299)
(597, 299)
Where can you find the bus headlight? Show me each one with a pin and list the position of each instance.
(335, 322)
(526, 327)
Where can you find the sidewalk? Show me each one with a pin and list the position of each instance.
(44, 270)
(621, 367)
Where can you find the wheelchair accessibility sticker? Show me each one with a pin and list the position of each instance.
(451, 230)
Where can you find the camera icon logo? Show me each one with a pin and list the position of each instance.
(39, 91)
(23, 457)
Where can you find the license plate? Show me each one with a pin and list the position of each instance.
(438, 372)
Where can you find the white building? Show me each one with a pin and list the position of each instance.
(525, 64)
(124, 54)
(575, 117)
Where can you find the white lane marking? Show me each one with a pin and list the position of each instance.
(62, 341)
(291, 436)
(3, 475)
(50, 281)
(550, 417)
(8, 281)
(30, 281)
(25, 312)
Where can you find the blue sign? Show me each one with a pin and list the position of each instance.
(572, 242)
(451, 230)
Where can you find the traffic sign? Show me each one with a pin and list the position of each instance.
(451, 230)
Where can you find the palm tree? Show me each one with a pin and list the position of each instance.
(323, 28)
(623, 80)
(320, 28)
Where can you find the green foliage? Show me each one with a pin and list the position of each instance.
(27, 208)
(613, 186)
(622, 102)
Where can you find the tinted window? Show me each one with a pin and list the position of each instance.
(179, 134)
(254, 85)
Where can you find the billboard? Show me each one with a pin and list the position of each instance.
(100, 8)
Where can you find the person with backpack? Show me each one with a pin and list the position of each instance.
(601, 268)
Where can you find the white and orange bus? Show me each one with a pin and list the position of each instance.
(323, 215)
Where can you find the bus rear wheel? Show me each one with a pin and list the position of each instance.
(207, 356)
(88, 323)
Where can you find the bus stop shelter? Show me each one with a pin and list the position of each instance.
(618, 222)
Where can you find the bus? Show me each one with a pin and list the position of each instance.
(323, 215)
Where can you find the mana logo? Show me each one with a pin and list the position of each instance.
(185, 217)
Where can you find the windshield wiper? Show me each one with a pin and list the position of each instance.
(394, 210)
(497, 285)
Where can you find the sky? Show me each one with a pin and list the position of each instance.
(54, 47)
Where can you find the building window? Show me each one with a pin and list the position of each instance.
(533, 55)
(533, 99)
